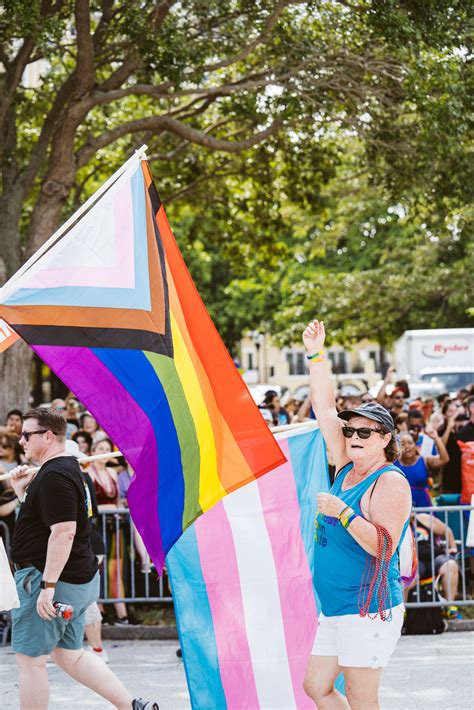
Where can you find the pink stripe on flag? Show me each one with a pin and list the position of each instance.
(221, 575)
(282, 518)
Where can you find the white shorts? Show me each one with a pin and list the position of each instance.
(357, 641)
(93, 614)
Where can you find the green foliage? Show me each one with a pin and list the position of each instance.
(357, 208)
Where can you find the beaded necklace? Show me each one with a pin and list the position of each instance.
(375, 576)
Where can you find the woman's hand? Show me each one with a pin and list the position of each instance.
(431, 432)
(330, 505)
(314, 336)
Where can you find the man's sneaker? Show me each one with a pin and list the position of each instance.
(140, 704)
(130, 620)
(124, 621)
(99, 652)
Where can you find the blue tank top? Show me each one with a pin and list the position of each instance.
(339, 561)
(417, 475)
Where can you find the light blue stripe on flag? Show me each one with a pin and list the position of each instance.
(195, 625)
(310, 469)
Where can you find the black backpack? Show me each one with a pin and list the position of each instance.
(425, 619)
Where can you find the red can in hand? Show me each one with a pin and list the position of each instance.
(65, 611)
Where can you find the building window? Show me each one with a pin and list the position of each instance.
(296, 362)
(339, 362)
(300, 364)
(250, 361)
(373, 356)
(289, 360)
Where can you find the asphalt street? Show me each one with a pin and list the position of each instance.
(433, 672)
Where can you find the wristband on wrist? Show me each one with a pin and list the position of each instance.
(316, 357)
(343, 511)
(348, 520)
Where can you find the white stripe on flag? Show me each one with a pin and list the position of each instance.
(261, 599)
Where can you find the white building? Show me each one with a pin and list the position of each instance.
(263, 362)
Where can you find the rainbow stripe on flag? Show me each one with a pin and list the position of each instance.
(109, 305)
(246, 608)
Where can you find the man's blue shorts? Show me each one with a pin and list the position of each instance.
(32, 635)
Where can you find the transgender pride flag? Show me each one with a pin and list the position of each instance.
(243, 591)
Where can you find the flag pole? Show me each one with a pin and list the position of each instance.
(6, 288)
(85, 459)
(310, 424)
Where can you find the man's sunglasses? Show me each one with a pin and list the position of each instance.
(26, 434)
(364, 432)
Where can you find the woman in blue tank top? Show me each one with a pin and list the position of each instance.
(358, 529)
(418, 468)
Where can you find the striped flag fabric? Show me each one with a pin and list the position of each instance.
(110, 306)
(246, 607)
(7, 336)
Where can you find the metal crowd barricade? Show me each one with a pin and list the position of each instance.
(129, 573)
(5, 615)
(455, 517)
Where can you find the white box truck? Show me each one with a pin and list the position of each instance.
(438, 355)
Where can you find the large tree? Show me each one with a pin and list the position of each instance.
(241, 103)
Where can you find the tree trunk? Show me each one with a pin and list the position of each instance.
(15, 376)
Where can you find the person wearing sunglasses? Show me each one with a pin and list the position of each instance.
(358, 528)
(54, 562)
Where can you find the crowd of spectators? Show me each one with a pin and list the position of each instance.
(430, 456)
(429, 430)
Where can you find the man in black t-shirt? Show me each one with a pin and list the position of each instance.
(54, 562)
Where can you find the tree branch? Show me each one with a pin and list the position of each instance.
(123, 72)
(85, 46)
(101, 28)
(199, 180)
(166, 123)
(271, 21)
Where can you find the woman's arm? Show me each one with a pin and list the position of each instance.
(448, 430)
(435, 462)
(389, 507)
(322, 394)
(439, 528)
(8, 508)
(303, 412)
(380, 396)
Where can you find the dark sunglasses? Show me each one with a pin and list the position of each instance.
(26, 434)
(364, 432)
